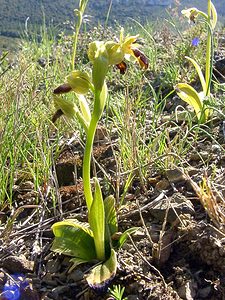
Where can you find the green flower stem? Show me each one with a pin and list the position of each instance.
(76, 34)
(87, 161)
(208, 52)
(79, 12)
(96, 115)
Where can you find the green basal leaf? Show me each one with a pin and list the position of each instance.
(125, 235)
(97, 221)
(73, 223)
(110, 215)
(214, 16)
(200, 74)
(100, 276)
(191, 96)
(73, 240)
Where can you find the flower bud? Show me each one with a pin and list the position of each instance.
(79, 82)
(115, 53)
(93, 50)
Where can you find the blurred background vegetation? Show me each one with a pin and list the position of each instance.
(21, 15)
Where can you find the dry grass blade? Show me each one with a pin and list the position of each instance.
(6, 232)
(212, 204)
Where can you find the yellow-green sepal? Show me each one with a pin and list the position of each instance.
(99, 71)
(68, 107)
(84, 107)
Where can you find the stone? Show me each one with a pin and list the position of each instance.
(162, 185)
(175, 175)
(52, 266)
(59, 290)
(176, 205)
(18, 264)
(3, 279)
(187, 291)
(132, 297)
(76, 275)
(204, 292)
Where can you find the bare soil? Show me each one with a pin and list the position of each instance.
(177, 253)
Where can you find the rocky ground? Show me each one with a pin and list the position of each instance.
(177, 253)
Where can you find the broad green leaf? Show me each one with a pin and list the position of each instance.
(97, 221)
(214, 16)
(125, 235)
(110, 215)
(200, 74)
(191, 96)
(73, 223)
(73, 241)
(101, 275)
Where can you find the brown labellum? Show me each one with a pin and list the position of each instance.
(62, 89)
(57, 115)
(122, 67)
(143, 61)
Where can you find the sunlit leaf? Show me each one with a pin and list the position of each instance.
(73, 223)
(200, 74)
(97, 221)
(73, 240)
(100, 277)
(191, 96)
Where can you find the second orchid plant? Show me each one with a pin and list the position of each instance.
(93, 241)
(198, 100)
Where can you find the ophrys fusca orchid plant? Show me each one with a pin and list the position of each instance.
(94, 241)
(199, 100)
